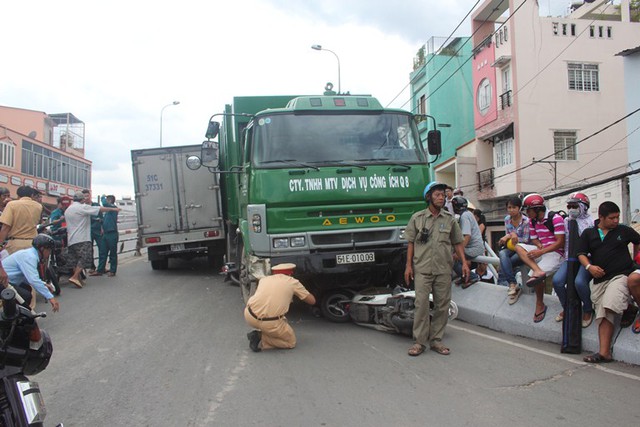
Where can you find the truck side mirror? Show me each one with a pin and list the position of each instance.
(212, 130)
(209, 154)
(434, 144)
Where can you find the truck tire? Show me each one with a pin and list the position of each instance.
(160, 264)
(335, 306)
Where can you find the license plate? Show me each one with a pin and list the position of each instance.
(357, 258)
(177, 247)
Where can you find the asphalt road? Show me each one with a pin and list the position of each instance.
(150, 348)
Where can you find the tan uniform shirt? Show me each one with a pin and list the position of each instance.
(274, 295)
(23, 215)
(434, 256)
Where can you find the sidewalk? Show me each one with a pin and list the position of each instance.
(486, 305)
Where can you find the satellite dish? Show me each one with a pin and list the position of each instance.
(33, 134)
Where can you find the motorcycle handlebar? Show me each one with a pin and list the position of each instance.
(8, 297)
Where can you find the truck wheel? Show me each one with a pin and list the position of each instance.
(215, 260)
(160, 264)
(335, 306)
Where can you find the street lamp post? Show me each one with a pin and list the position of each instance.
(318, 47)
(161, 112)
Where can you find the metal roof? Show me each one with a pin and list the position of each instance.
(65, 118)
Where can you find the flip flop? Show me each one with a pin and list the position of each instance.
(635, 327)
(539, 317)
(76, 282)
(440, 349)
(514, 297)
(587, 323)
(416, 350)
(596, 358)
(534, 280)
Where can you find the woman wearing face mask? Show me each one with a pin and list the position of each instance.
(578, 209)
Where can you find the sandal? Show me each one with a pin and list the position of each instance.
(534, 280)
(440, 349)
(539, 317)
(635, 328)
(586, 323)
(513, 298)
(597, 358)
(416, 350)
(560, 317)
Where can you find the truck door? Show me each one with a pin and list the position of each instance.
(199, 195)
(158, 196)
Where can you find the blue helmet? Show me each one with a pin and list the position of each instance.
(433, 185)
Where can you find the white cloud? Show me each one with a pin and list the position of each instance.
(115, 65)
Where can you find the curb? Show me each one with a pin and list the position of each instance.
(486, 305)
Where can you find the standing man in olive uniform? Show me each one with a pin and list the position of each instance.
(266, 309)
(432, 233)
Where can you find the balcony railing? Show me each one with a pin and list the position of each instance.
(485, 179)
(506, 99)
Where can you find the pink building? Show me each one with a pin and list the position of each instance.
(543, 84)
(44, 151)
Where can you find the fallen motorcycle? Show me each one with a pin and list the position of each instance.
(389, 310)
(25, 349)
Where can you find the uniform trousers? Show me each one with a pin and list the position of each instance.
(275, 333)
(426, 330)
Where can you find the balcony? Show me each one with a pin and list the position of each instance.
(506, 99)
(485, 179)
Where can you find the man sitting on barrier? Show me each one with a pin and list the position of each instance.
(472, 243)
(517, 230)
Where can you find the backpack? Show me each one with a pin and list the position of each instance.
(548, 221)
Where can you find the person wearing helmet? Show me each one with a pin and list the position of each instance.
(578, 210)
(603, 251)
(432, 234)
(517, 230)
(266, 309)
(546, 254)
(23, 273)
(472, 239)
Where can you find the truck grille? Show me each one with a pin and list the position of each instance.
(348, 238)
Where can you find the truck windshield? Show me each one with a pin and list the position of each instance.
(334, 139)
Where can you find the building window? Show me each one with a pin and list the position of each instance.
(555, 28)
(483, 96)
(592, 31)
(503, 151)
(573, 29)
(609, 32)
(7, 154)
(584, 77)
(505, 34)
(422, 105)
(564, 29)
(564, 144)
(44, 163)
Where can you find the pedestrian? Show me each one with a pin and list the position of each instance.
(96, 230)
(19, 221)
(5, 197)
(546, 252)
(109, 239)
(603, 251)
(432, 234)
(472, 240)
(578, 209)
(56, 219)
(22, 271)
(78, 217)
(448, 194)
(517, 230)
(266, 309)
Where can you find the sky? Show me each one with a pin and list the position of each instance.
(116, 64)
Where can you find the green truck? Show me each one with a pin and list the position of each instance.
(326, 182)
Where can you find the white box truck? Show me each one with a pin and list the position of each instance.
(179, 210)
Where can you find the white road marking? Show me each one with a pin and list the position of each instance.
(546, 353)
(230, 384)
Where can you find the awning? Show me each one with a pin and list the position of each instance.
(508, 128)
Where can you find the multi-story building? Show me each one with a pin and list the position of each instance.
(441, 87)
(548, 92)
(44, 151)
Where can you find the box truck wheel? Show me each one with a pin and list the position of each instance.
(248, 283)
(160, 264)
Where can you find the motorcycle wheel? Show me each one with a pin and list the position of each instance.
(52, 276)
(335, 306)
(453, 310)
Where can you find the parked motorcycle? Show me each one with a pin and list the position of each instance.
(57, 266)
(389, 310)
(25, 349)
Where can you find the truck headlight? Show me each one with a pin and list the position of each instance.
(297, 242)
(402, 234)
(280, 243)
(256, 222)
